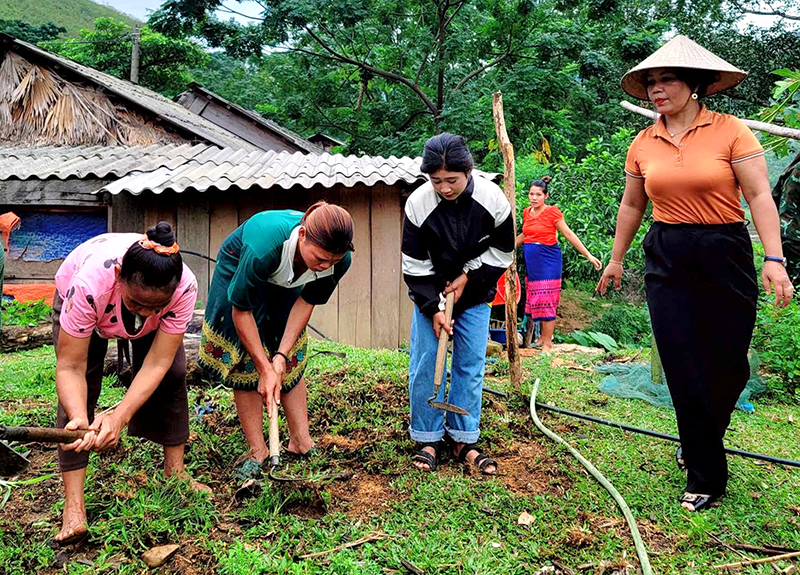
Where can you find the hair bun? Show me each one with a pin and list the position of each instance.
(546, 179)
(162, 234)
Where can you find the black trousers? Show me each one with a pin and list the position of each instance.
(702, 293)
(163, 418)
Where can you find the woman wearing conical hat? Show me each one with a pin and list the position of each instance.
(693, 165)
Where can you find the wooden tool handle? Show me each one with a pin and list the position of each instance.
(274, 437)
(42, 434)
(441, 351)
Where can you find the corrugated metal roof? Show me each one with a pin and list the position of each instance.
(101, 161)
(282, 132)
(171, 112)
(172, 167)
(270, 169)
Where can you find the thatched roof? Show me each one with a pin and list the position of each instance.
(46, 99)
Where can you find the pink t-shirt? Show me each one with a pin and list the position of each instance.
(92, 299)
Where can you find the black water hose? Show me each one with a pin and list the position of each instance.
(659, 435)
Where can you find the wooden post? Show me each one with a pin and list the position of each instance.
(135, 56)
(509, 185)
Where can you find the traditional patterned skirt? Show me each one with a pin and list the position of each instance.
(543, 285)
(222, 354)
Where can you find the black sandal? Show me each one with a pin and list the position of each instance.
(698, 501)
(679, 458)
(422, 456)
(481, 461)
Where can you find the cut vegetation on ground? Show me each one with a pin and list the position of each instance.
(448, 522)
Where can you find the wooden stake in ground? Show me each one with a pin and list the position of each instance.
(510, 187)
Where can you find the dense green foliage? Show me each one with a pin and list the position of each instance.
(163, 62)
(15, 313)
(777, 339)
(588, 191)
(29, 33)
(71, 14)
(627, 324)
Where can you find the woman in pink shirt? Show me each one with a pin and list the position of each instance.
(130, 287)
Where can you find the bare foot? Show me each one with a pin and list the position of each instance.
(420, 464)
(472, 454)
(73, 526)
(547, 347)
(300, 447)
(183, 475)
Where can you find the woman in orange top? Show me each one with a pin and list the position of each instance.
(701, 285)
(540, 222)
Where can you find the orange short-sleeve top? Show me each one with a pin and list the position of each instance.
(693, 181)
(541, 229)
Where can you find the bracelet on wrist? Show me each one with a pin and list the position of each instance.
(283, 355)
(775, 259)
(615, 262)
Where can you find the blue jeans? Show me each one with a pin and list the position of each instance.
(470, 333)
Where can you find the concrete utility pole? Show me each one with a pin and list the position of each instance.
(135, 56)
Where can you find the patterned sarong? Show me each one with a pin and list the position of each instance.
(543, 285)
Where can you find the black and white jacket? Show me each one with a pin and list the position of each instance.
(444, 238)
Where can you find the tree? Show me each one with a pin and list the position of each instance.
(163, 65)
(29, 33)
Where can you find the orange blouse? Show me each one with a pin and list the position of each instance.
(694, 182)
(541, 229)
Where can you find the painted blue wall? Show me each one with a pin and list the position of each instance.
(48, 236)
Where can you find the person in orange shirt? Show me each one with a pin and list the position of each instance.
(694, 165)
(540, 222)
(9, 221)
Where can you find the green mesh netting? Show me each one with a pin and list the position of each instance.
(635, 381)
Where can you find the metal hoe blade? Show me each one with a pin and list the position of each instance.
(441, 357)
(11, 462)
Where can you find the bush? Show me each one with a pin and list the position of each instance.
(16, 313)
(627, 324)
(589, 192)
(777, 339)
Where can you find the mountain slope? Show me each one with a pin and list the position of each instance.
(71, 14)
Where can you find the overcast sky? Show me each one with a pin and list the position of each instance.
(141, 8)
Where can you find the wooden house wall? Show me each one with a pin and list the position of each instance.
(230, 120)
(370, 308)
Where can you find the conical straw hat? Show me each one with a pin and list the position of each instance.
(681, 52)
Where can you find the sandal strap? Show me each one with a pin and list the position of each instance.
(462, 455)
(426, 458)
(482, 461)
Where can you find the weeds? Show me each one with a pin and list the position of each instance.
(29, 314)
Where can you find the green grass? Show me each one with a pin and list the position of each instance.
(71, 14)
(450, 522)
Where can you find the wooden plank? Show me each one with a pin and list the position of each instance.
(406, 305)
(247, 128)
(162, 207)
(223, 219)
(355, 295)
(52, 192)
(192, 234)
(21, 271)
(326, 317)
(386, 266)
(127, 214)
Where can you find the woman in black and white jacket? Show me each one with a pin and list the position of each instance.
(458, 236)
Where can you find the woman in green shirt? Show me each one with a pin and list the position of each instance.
(270, 273)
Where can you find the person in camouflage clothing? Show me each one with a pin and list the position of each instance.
(786, 194)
